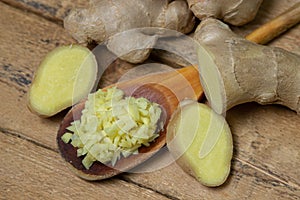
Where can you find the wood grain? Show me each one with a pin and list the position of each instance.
(29, 171)
(265, 165)
(245, 182)
(266, 141)
(23, 46)
(266, 158)
(53, 10)
(56, 10)
(268, 11)
(276, 26)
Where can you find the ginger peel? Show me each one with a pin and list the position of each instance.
(235, 12)
(234, 70)
(103, 20)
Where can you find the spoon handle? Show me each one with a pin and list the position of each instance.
(183, 83)
(277, 26)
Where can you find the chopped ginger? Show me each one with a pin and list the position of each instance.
(112, 126)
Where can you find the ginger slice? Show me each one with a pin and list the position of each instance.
(200, 140)
(66, 75)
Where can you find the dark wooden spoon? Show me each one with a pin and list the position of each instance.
(167, 89)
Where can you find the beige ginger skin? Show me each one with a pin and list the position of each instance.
(104, 19)
(235, 12)
(234, 70)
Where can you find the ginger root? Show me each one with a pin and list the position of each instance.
(235, 12)
(103, 19)
(234, 70)
(66, 75)
(200, 140)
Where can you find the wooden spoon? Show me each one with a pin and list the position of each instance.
(167, 89)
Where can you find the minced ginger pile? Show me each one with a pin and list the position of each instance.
(112, 126)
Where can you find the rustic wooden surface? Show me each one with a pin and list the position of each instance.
(266, 163)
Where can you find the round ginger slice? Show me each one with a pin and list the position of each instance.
(201, 142)
(66, 75)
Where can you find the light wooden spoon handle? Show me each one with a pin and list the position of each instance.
(277, 26)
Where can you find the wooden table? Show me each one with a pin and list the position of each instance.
(266, 163)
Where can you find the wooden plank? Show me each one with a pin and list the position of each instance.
(33, 37)
(267, 11)
(268, 138)
(24, 41)
(265, 165)
(245, 182)
(57, 10)
(54, 10)
(29, 171)
(256, 173)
